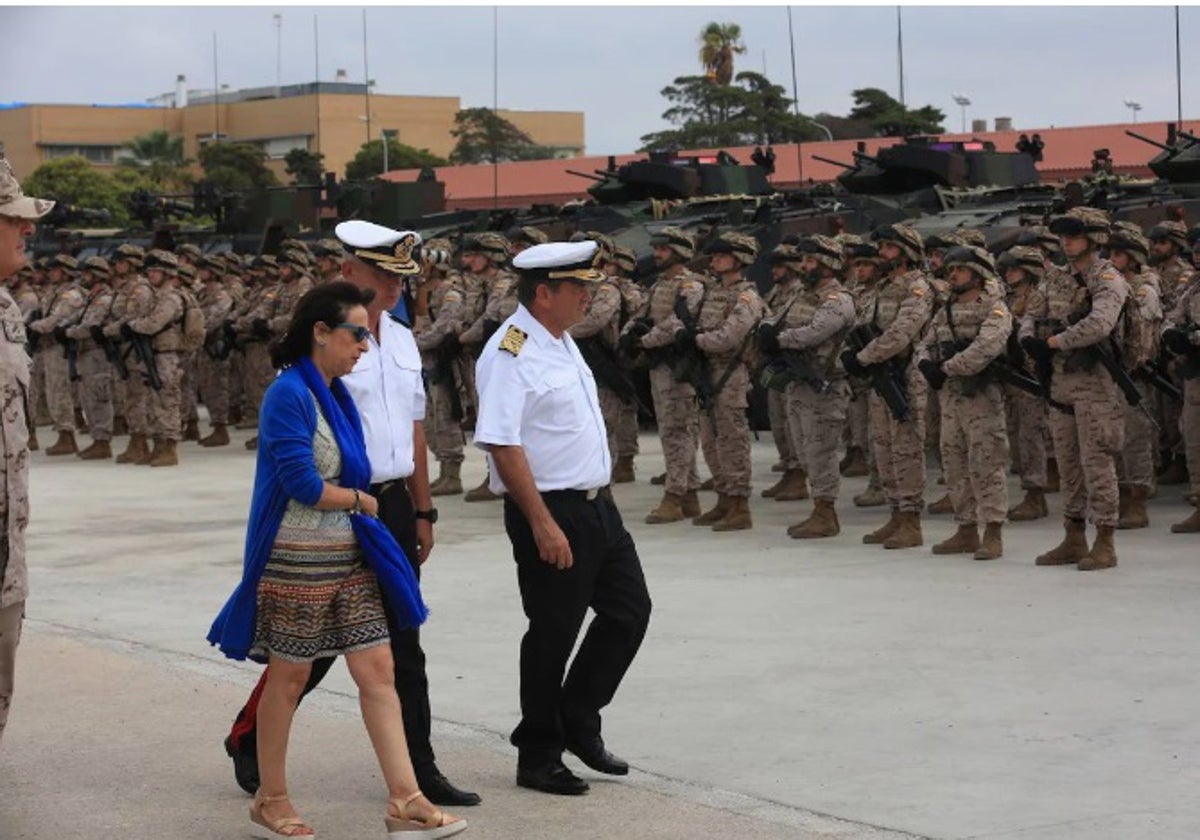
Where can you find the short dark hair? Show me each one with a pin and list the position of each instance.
(329, 305)
(527, 287)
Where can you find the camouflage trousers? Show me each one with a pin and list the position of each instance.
(725, 433)
(619, 416)
(258, 375)
(39, 410)
(96, 392)
(1136, 462)
(10, 636)
(120, 394)
(442, 432)
(213, 376)
(1086, 445)
(900, 447)
(858, 413)
(58, 389)
(1170, 419)
(167, 402)
(1028, 433)
(138, 400)
(678, 428)
(781, 432)
(237, 380)
(1191, 430)
(189, 388)
(974, 446)
(815, 423)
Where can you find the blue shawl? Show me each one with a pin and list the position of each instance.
(285, 470)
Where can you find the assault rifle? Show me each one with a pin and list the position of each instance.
(143, 348)
(443, 373)
(32, 338)
(111, 353)
(1156, 374)
(608, 371)
(886, 378)
(70, 351)
(691, 365)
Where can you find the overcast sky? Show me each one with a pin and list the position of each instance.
(1040, 66)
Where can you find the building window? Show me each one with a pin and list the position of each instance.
(93, 154)
(278, 147)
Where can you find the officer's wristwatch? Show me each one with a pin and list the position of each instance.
(430, 514)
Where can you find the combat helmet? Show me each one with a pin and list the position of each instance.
(742, 246)
(128, 251)
(786, 254)
(825, 249)
(97, 264)
(1128, 239)
(492, 245)
(907, 239)
(607, 247)
(189, 250)
(1025, 257)
(973, 257)
(162, 260)
(1174, 232)
(677, 240)
(527, 235)
(625, 259)
(1039, 236)
(1083, 221)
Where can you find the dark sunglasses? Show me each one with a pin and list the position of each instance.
(360, 333)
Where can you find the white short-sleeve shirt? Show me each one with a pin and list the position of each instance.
(389, 393)
(544, 400)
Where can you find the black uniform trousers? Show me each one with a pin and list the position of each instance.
(606, 575)
(412, 685)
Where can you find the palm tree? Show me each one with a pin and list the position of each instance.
(718, 45)
(160, 156)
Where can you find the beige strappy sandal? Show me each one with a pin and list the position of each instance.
(401, 825)
(261, 827)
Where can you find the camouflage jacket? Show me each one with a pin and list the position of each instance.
(817, 319)
(1141, 322)
(900, 306)
(444, 316)
(95, 313)
(603, 312)
(983, 325)
(14, 449)
(165, 320)
(674, 282)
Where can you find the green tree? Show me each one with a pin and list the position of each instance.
(304, 166)
(72, 180)
(159, 157)
(235, 166)
(888, 118)
(483, 136)
(719, 43)
(369, 161)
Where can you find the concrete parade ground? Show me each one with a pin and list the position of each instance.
(786, 689)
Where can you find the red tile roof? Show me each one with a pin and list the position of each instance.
(1067, 155)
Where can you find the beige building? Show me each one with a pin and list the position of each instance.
(327, 117)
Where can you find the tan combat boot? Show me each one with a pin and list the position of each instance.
(942, 505)
(717, 513)
(1191, 525)
(482, 493)
(1052, 478)
(100, 450)
(668, 510)
(658, 480)
(855, 463)
(449, 480)
(992, 545)
(1103, 554)
(191, 431)
(689, 502)
(65, 445)
(964, 541)
(248, 422)
(219, 436)
(878, 536)
(623, 470)
(1033, 506)
(795, 487)
(822, 523)
(738, 516)
(907, 533)
(1072, 549)
(1134, 515)
(770, 492)
(165, 454)
(134, 451)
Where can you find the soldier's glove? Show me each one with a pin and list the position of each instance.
(852, 366)
(639, 327)
(933, 373)
(629, 341)
(261, 328)
(768, 339)
(60, 335)
(127, 332)
(1015, 352)
(1036, 347)
(451, 344)
(1178, 341)
(685, 342)
(97, 333)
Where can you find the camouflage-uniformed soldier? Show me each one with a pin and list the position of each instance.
(786, 264)
(724, 329)
(675, 403)
(95, 370)
(620, 270)
(29, 302)
(436, 328)
(900, 309)
(126, 259)
(520, 238)
(61, 311)
(1168, 256)
(813, 326)
(163, 325)
(134, 300)
(1075, 321)
(18, 213)
(186, 280)
(970, 331)
(1182, 338)
(1139, 329)
(328, 254)
(213, 361)
(253, 327)
(863, 258)
(1022, 267)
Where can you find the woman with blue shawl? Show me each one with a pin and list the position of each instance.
(319, 565)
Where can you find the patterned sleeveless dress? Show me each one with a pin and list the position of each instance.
(317, 596)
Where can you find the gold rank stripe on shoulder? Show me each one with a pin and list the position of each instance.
(998, 311)
(514, 340)
(919, 291)
(746, 297)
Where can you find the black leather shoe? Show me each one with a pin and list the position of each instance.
(552, 777)
(438, 790)
(592, 753)
(245, 766)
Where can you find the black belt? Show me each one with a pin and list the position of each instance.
(382, 487)
(583, 495)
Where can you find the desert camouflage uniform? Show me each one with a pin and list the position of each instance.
(1027, 422)
(789, 455)
(600, 326)
(257, 370)
(1187, 313)
(444, 321)
(1175, 276)
(1139, 338)
(95, 371)
(632, 301)
(217, 302)
(164, 323)
(62, 310)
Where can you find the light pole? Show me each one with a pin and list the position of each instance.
(1133, 107)
(962, 102)
(278, 18)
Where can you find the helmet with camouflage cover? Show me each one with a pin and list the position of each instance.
(527, 235)
(162, 260)
(327, 248)
(65, 261)
(1174, 232)
(603, 240)
(786, 254)
(970, 256)
(1129, 239)
(971, 236)
(98, 265)
(904, 237)
(1025, 257)
(128, 251)
(1039, 236)
(189, 251)
(187, 273)
(676, 239)
(743, 247)
(625, 258)
(489, 244)
(825, 249)
(1083, 221)
(861, 251)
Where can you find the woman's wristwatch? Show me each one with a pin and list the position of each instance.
(357, 506)
(430, 514)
